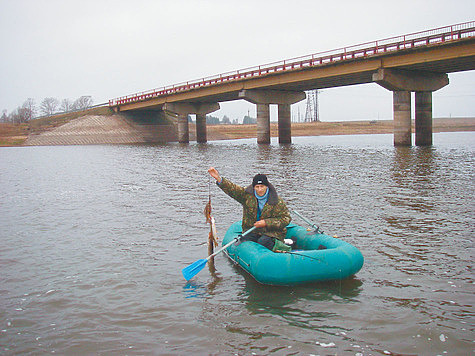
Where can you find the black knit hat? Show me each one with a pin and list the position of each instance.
(260, 179)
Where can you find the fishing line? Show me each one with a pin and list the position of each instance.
(209, 187)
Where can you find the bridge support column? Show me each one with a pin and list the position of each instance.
(402, 118)
(423, 124)
(285, 133)
(201, 136)
(402, 82)
(183, 128)
(182, 110)
(263, 124)
(263, 98)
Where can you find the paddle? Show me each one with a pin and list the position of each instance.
(317, 229)
(192, 270)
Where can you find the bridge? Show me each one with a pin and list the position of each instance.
(417, 62)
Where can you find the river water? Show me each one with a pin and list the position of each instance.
(93, 240)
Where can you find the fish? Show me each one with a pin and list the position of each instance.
(213, 235)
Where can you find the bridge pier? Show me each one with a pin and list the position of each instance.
(183, 110)
(285, 133)
(423, 124)
(263, 124)
(402, 83)
(402, 118)
(183, 131)
(263, 98)
(201, 135)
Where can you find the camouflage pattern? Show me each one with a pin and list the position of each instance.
(275, 212)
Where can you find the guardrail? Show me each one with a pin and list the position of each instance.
(363, 50)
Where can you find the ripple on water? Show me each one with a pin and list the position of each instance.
(94, 239)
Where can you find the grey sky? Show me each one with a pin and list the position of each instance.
(106, 49)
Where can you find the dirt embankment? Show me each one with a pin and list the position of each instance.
(17, 134)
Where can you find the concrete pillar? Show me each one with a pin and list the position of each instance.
(285, 134)
(402, 118)
(402, 82)
(263, 124)
(183, 129)
(423, 125)
(262, 98)
(182, 110)
(201, 128)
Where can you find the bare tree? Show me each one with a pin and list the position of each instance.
(83, 102)
(14, 116)
(24, 115)
(19, 115)
(4, 117)
(66, 105)
(29, 108)
(48, 106)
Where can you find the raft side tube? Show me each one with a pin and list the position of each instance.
(308, 264)
(312, 241)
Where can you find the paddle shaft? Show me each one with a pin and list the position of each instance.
(230, 243)
(317, 229)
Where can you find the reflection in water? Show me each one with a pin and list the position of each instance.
(414, 169)
(195, 289)
(291, 303)
(416, 179)
(413, 215)
(414, 173)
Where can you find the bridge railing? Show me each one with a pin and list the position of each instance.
(392, 44)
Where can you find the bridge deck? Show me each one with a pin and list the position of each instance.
(444, 50)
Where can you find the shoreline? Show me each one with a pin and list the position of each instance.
(231, 132)
(14, 135)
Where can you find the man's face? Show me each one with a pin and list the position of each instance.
(260, 189)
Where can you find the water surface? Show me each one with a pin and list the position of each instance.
(93, 240)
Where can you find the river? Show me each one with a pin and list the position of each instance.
(93, 240)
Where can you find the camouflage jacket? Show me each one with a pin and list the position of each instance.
(275, 212)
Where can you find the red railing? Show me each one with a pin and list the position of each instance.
(418, 39)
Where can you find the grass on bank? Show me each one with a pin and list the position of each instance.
(60, 119)
(16, 134)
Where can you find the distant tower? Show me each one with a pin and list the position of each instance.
(312, 113)
(297, 117)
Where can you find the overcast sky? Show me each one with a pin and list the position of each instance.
(106, 49)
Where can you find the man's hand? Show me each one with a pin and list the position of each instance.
(215, 174)
(260, 223)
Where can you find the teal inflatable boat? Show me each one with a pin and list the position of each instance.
(315, 257)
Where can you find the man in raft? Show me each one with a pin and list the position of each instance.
(262, 208)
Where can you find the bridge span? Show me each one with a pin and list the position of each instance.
(417, 62)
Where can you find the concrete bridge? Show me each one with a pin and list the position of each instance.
(417, 62)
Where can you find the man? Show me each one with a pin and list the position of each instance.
(262, 208)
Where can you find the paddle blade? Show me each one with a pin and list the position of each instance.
(192, 270)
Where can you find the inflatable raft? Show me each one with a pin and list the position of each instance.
(315, 257)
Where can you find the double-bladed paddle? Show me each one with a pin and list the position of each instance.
(192, 270)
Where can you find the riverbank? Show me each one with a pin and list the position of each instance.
(99, 127)
(17, 134)
(228, 132)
